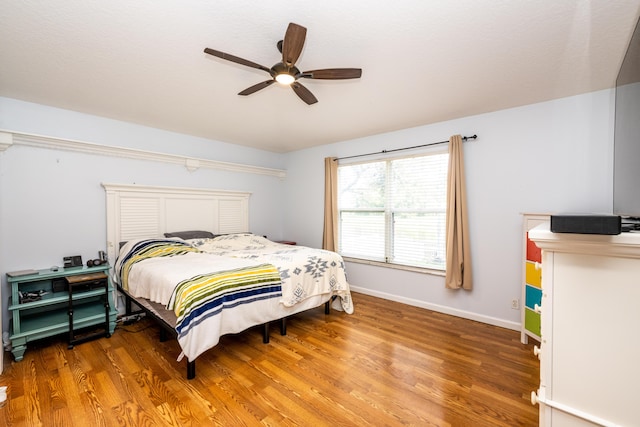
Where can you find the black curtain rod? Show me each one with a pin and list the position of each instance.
(464, 138)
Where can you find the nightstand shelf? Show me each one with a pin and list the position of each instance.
(56, 312)
(54, 298)
(54, 322)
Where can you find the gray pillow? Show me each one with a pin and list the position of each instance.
(194, 234)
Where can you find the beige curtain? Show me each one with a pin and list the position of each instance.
(330, 233)
(458, 273)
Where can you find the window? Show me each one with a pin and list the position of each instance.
(393, 210)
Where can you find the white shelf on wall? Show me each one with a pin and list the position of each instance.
(10, 138)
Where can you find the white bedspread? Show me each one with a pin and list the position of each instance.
(305, 272)
(156, 278)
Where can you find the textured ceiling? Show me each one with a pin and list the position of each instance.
(423, 61)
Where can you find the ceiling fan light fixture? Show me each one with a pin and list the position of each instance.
(285, 72)
(285, 79)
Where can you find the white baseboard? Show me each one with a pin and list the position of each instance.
(440, 308)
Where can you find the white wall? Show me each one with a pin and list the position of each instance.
(549, 157)
(552, 157)
(52, 204)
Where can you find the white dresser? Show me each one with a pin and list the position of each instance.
(589, 352)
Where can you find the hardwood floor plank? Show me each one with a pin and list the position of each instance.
(131, 413)
(386, 364)
(293, 406)
(69, 389)
(34, 398)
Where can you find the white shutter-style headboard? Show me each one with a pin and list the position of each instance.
(139, 212)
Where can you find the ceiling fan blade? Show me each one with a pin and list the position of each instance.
(255, 88)
(293, 43)
(333, 73)
(236, 59)
(303, 93)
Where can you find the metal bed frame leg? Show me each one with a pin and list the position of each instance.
(327, 305)
(283, 326)
(191, 369)
(265, 333)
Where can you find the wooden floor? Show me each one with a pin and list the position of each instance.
(387, 364)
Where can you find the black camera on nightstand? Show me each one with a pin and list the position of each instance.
(96, 262)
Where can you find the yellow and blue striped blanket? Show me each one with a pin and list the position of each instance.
(145, 249)
(211, 295)
(203, 296)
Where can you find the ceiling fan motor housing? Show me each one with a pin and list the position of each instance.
(282, 68)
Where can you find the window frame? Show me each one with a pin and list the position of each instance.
(389, 213)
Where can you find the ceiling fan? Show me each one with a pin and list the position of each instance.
(286, 72)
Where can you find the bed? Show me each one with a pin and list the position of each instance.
(201, 285)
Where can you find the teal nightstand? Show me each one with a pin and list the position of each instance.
(51, 307)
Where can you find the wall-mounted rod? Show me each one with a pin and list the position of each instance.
(464, 138)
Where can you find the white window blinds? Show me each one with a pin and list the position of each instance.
(393, 210)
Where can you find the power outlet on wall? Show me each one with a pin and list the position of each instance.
(515, 304)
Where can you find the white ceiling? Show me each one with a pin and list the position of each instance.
(423, 61)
